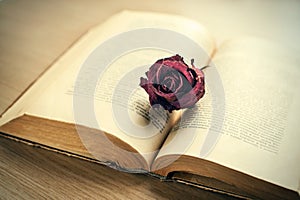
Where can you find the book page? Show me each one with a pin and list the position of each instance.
(111, 99)
(259, 131)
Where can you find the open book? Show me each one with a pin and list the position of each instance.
(241, 138)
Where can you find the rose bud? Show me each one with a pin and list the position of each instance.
(173, 84)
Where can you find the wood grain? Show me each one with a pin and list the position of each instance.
(28, 172)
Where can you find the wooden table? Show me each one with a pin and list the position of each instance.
(34, 33)
(28, 172)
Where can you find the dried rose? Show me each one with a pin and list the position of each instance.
(173, 84)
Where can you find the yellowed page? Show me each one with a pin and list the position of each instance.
(260, 133)
(53, 95)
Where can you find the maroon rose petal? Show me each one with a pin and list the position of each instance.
(173, 84)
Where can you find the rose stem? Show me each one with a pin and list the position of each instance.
(192, 62)
(204, 67)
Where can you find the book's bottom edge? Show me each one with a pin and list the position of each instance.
(215, 190)
(115, 166)
(110, 164)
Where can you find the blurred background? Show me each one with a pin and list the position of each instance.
(278, 20)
